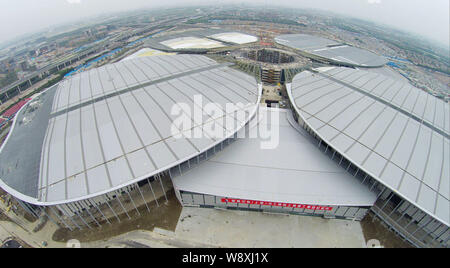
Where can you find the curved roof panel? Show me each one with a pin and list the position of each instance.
(393, 131)
(106, 128)
(322, 48)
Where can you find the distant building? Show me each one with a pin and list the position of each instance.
(23, 65)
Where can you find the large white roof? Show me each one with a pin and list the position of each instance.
(331, 50)
(202, 39)
(294, 171)
(393, 131)
(236, 38)
(191, 42)
(110, 127)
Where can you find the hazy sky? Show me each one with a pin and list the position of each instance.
(429, 18)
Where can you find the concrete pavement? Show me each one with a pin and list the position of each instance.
(255, 229)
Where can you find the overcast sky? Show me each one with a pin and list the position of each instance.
(429, 18)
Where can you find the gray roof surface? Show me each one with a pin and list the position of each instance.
(331, 50)
(21, 152)
(292, 172)
(110, 127)
(393, 131)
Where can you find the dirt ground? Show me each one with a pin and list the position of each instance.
(377, 230)
(165, 216)
(3, 217)
(27, 216)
